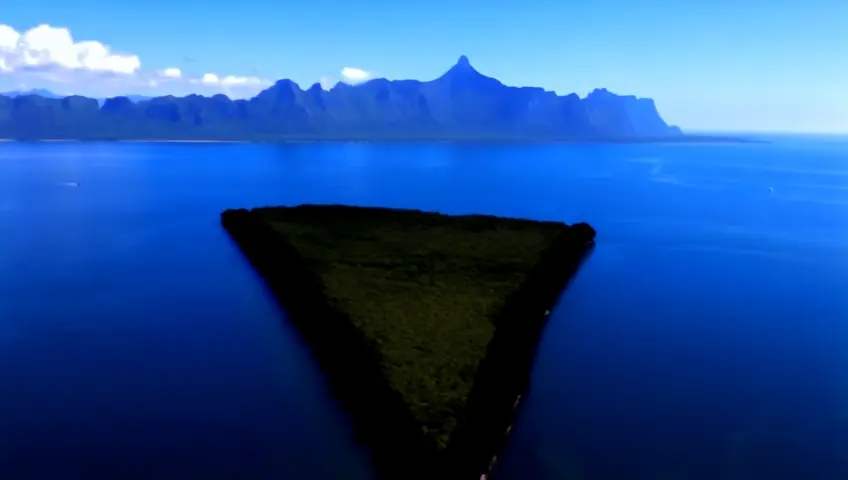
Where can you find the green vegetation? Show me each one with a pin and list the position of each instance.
(425, 323)
(424, 288)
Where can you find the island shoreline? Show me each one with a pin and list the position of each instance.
(503, 377)
(343, 354)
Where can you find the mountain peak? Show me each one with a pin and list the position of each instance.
(284, 82)
(462, 70)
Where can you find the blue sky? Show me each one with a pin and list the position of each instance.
(710, 65)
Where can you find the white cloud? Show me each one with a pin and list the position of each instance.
(46, 47)
(355, 75)
(233, 81)
(171, 73)
(230, 80)
(50, 57)
(210, 79)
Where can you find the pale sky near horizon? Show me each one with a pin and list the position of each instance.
(713, 65)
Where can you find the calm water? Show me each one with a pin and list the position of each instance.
(703, 339)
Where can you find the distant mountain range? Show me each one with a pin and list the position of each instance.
(461, 104)
(48, 94)
(35, 91)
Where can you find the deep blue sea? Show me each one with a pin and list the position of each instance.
(706, 337)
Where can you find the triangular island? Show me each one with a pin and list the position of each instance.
(425, 324)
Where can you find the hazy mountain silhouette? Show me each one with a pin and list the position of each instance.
(35, 91)
(461, 104)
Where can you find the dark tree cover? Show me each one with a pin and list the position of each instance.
(461, 104)
(424, 323)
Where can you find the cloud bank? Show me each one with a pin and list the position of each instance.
(50, 57)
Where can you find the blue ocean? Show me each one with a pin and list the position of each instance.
(704, 338)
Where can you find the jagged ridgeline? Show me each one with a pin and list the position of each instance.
(425, 323)
(461, 104)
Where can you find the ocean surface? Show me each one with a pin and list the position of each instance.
(705, 338)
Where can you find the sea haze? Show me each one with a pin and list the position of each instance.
(703, 338)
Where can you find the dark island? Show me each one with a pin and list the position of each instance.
(425, 324)
(462, 104)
